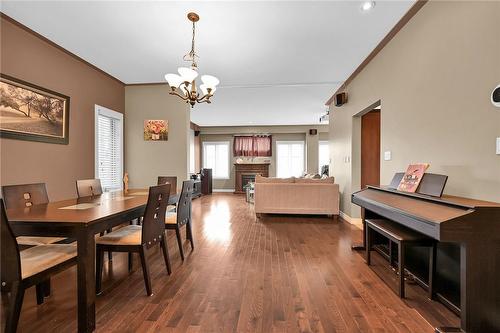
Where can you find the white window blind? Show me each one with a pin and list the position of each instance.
(324, 154)
(216, 157)
(109, 158)
(290, 159)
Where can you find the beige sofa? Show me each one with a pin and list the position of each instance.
(296, 196)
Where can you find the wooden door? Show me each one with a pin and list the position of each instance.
(370, 148)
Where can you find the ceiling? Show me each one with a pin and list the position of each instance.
(278, 61)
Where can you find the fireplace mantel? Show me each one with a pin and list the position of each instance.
(248, 169)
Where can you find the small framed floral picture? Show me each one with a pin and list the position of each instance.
(156, 130)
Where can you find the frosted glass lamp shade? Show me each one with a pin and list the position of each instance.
(210, 81)
(187, 74)
(204, 89)
(173, 80)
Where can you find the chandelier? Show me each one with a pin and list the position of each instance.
(183, 84)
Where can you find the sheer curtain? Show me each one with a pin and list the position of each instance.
(252, 145)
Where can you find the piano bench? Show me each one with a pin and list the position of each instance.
(403, 237)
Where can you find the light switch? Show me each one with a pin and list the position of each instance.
(387, 155)
(498, 146)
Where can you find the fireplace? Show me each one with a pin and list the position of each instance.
(247, 178)
(246, 172)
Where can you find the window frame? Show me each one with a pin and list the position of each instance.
(101, 110)
(327, 143)
(215, 143)
(304, 157)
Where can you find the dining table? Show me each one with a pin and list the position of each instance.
(81, 219)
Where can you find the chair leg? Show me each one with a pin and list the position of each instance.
(432, 269)
(130, 261)
(401, 267)
(179, 241)
(98, 273)
(189, 234)
(166, 257)
(15, 304)
(39, 293)
(145, 271)
(368, 245)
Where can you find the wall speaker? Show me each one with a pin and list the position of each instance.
(313, 131)
(495, 96)
(196, 133)
(340, 99)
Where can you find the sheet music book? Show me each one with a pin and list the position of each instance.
(412, 177)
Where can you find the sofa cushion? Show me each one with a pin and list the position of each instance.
(329, 180)
(260, 179)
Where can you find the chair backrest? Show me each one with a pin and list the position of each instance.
(184, 204)
(11, 261)
(172, 180)
(88, 187)
(153, 223)
(25, 195)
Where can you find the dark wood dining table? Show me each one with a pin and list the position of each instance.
(82, 219)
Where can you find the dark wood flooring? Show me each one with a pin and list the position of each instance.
(276, 274)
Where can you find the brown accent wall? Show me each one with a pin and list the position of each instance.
(30, 58)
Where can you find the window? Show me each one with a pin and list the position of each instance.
(290, 159)
(109, 148)
(324, 154)
(216, 157)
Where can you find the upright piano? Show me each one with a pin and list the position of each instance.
(468, 257)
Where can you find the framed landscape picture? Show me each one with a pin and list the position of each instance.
(156, 130)
(30, 112)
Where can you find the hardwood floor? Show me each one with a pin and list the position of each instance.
(276, 274)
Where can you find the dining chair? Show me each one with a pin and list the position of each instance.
(172, 180)
(27, 195)
(139, 238)
(23, 196)
(23, 269)
(88, 187)
(182, 216)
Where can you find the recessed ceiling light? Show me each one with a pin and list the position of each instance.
(367, 5)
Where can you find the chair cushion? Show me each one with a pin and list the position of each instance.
(128, 235)
(28, 240)
(40, 258)
(171, 218)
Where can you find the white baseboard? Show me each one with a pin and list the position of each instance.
(352, 220)
(223, 190)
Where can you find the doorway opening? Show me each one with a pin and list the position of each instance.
(370, 148)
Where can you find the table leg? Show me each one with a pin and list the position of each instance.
(86, 281)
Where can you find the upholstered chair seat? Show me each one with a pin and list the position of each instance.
(33, 241)
(171, 218)
(128, 235)
(37, 259)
